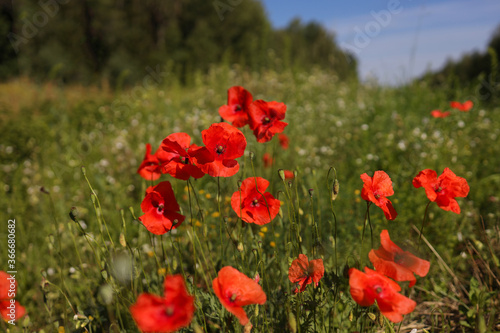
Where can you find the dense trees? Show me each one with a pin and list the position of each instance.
(88, 40)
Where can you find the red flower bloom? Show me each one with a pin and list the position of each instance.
(223, 143)
(367, 287)
(150, 168)
(164, 314)
(10, 309)
(268, 160)
(160, 209)
(234, 290)
(303, 272)
(391, 261)
(289, 174)
(284, 140)
(464, 107)
(236, 110)
(176, 150)
(442, 190)
(265, 119)
(440, 114)
(376, 190)
(252, 206)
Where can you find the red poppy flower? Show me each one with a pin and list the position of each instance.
(160, 209)
(236, 110)
(252, 204)
(234, 290)
(10, 309)
(442, 190)
(376, 189)
(391, 261)
(289, 174)
(367, 287)
(303, 272)
(440, 114)
(176, 150)
(284, 141)
(150, 168)
(265, 119)
(223, 143)
(464, 107)
(268, 160)
(169, 313)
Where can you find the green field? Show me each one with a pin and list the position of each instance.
(77, 149)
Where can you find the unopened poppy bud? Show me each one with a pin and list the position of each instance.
(345, 272)
(292, 322)
(240, 247)
(123, 242)
(311, 192)
(335, 189)
(252, 155)
(281, 173)
(73, 214)
(280, 213)
(84, 171)
(372, 316)
(295, 173)
(290, 184)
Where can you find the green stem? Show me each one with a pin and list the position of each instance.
(423, 222)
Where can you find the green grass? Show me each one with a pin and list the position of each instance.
(98, 272)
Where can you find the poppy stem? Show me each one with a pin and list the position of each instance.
(370, 222)
(330, 191)
(220, 214)
(422, 227)
(367, 219)
(193, 228)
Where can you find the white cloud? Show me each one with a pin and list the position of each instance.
(432, 32)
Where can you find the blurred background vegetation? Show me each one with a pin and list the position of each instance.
(89, 41)
(114, 42)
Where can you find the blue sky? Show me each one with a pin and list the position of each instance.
(396, 40)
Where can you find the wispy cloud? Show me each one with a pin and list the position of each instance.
(430, 32)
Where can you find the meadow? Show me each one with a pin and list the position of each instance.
(69, 159)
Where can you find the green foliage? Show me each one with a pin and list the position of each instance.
(84, 266)
(90, 41)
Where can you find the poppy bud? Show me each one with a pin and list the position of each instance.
(292, 322)
(281, 173)
(240, 247)
(311, 192)
(345, 272)
(252, 155)
(335, 189)
(290, 184)
(123, 242)
(73, 214)
(295, 173)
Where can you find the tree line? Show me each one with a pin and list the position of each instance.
(90, 40)
(477, 70)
